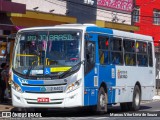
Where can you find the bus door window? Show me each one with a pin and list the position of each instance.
(90, 56)
(116, 53)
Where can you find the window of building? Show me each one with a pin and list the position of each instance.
(136, 14)
(156, 17)
(129, 52)
(142, 57)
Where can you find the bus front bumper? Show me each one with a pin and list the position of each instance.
(56, 100)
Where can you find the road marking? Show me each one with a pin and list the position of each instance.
(86, 118)
(101, 118)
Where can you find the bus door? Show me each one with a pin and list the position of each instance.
(90, 75)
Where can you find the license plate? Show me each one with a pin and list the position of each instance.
(42, 100)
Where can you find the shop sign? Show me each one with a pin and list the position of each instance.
(123, 5)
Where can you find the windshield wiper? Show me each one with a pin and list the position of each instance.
(72, 69)
(31, 67)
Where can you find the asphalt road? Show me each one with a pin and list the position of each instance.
(148, 111)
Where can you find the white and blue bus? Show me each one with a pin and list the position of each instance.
(78, 65)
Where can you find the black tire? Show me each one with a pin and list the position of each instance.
(124, 106)
(135, 104)
(102, 101)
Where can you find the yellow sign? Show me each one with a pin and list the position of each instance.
(60, 69)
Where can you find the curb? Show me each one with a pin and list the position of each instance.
(156, 97)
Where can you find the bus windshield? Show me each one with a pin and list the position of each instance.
(46, 52)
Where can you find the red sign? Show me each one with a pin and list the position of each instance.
(124, 5)
(42, 100)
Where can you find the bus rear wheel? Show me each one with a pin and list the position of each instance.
(102, 101)
(135, 104)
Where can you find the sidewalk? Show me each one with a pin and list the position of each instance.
(6, 106)
(157, 96)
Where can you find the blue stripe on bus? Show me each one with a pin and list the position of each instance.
(19, 81)
(99, 30)
(32, 88)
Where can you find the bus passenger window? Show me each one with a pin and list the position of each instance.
(142, 57)
(116, 53)
(116, 58)
(129, 50)
(103, 45)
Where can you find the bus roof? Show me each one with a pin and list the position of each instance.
(65, 26)
(93, 28)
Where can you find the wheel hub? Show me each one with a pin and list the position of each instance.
(137, 100)
(102, 101)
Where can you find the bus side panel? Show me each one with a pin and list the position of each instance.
(107, 75)
(126, 78)
(91, 91)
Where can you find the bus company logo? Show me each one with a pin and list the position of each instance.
(122, 74)
(43, 89)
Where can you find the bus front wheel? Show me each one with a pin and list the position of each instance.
(135, 104)
(102, 101)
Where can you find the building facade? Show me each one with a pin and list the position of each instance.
(147, 17)
(115, 14)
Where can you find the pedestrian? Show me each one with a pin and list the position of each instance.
(3, 81)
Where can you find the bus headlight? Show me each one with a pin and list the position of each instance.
(73, 86)
(16, 87)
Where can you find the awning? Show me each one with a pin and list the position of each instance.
(118, 26)
(34, 18)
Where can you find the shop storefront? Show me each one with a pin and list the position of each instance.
(6, 26)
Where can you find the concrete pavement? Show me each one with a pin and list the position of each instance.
(157, 95)
(6, 106)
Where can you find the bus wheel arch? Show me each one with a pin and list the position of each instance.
(102, 99)
(103, 84)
